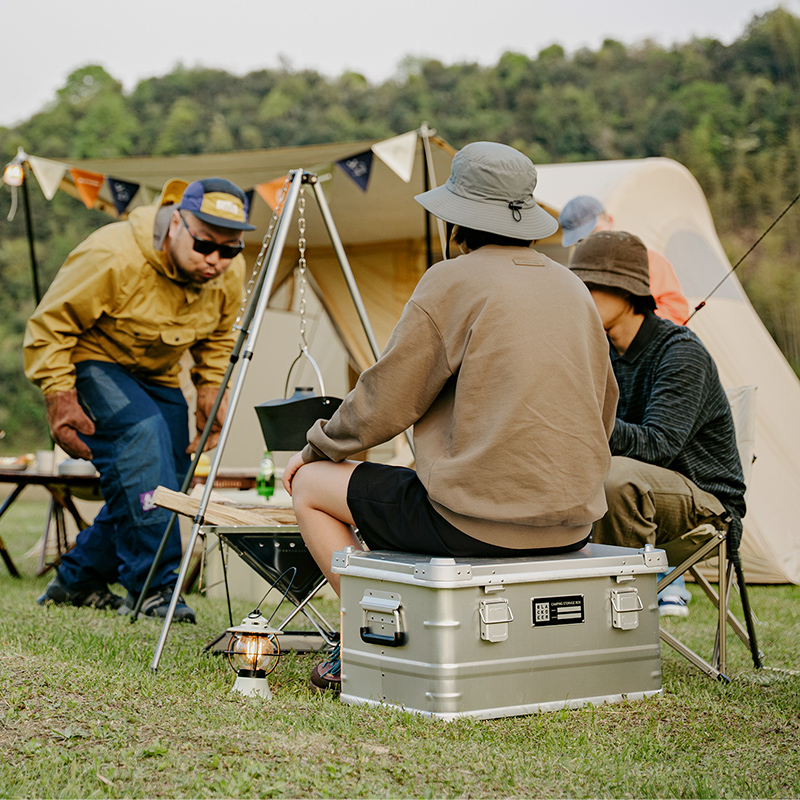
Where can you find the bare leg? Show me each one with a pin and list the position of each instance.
(319, 493)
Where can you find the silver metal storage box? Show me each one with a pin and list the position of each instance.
(489, 638)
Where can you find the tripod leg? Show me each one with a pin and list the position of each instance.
(260, 307)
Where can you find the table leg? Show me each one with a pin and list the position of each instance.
(3, 550)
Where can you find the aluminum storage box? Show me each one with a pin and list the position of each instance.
(489, 638)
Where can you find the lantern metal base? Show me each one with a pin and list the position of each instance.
(252, 686)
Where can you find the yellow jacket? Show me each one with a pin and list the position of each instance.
(116, 298)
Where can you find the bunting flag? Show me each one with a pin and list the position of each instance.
(122, 192)
(398, 154)
(358, 167)
(88, 185)
(272, 193)
(48, 173)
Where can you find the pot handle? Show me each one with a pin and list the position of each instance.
(304, 352)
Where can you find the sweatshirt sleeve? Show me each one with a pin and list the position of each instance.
(390, 396)
(86, 287)
(673, 409)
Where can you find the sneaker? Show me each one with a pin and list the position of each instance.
(156, 604)
(59, 594)
(672, 606)
(327, 676)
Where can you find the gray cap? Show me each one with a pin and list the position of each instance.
(490, 189)
(578, 218)
(613, 259)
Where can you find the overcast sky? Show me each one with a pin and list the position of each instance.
(44, 40)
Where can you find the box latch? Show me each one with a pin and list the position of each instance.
(495, 616)
(381, 622)
(625, 607)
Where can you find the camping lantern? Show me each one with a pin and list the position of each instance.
(253, 652)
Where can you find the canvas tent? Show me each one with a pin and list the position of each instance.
(384, 235)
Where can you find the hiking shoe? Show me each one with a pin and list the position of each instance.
(59, 594)
(672, 606)
(156, 604)
(327, 676)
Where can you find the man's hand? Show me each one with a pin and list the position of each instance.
(295, 462)
(205, 400)
(67, 419)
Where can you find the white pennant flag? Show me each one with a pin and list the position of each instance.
(398, 154)
(48, 173)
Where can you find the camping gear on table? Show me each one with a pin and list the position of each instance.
(486, 638)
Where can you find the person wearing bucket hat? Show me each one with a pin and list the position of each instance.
(500, 364)
(585, 214)
(675, 460)
(105, 346)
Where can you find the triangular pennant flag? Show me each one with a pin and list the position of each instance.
(48, 173)
(88, 185)
(358, 167)
(122, 193)
(272, 192)
(398, 154)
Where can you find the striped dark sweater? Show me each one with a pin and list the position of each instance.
(673, 411)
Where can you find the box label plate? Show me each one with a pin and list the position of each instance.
(563, 610)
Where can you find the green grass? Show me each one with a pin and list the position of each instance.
(82, 716)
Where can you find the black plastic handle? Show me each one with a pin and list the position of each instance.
(398, 639)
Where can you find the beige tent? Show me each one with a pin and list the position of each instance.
(384, 234)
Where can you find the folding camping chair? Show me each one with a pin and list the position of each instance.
(724, 545)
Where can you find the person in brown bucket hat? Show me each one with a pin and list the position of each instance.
(675, 463)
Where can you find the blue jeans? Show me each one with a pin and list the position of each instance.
(142, 431)
(676, 589)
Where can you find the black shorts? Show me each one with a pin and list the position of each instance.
(392, 512)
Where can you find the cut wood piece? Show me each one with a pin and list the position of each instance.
(223, 513)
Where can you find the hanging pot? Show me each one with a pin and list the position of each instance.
(286, 421)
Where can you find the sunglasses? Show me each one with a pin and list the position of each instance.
(206, 247)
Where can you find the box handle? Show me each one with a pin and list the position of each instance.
(382, 605)
(398, 639)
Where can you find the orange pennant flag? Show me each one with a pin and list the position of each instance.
(88, 185)
(272, 192)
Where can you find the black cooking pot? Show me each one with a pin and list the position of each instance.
(285, 421)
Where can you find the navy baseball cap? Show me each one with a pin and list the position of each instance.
(578, 218)
(218, 202)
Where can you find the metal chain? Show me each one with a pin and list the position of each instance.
(301, 263)
(264, 247)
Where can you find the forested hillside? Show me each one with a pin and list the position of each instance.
(730, 113)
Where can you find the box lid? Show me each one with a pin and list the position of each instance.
(592, 561)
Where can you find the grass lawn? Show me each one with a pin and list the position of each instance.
(82, 716)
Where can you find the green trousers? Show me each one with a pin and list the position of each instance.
(656, 505)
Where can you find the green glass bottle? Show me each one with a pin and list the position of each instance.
(265, 477)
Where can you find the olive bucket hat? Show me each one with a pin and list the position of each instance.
(490, 189)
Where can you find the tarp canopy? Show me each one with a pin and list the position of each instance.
(384, 234)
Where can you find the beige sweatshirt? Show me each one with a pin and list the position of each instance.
(500, 363)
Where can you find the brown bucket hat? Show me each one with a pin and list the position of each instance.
(615, 259)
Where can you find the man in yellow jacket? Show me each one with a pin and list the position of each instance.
(104, 347)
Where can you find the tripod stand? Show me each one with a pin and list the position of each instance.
(249, 334)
